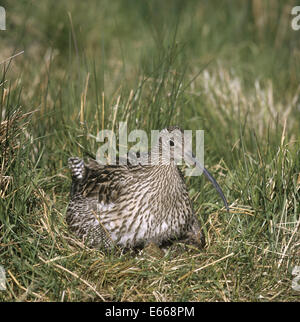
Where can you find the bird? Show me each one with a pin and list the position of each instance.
(136, 204)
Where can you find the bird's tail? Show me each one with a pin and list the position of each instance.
(77, 167)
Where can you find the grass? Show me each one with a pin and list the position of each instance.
(230, 68)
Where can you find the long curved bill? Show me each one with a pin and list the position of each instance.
(189, 157)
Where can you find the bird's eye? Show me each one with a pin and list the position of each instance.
(171, 143)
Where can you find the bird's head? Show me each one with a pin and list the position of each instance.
(175, 146)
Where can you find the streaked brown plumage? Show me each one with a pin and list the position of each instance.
(132, 205)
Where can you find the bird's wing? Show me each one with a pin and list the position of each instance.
(103, 183)
(106, 181)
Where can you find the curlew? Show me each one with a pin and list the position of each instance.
(133, 205)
